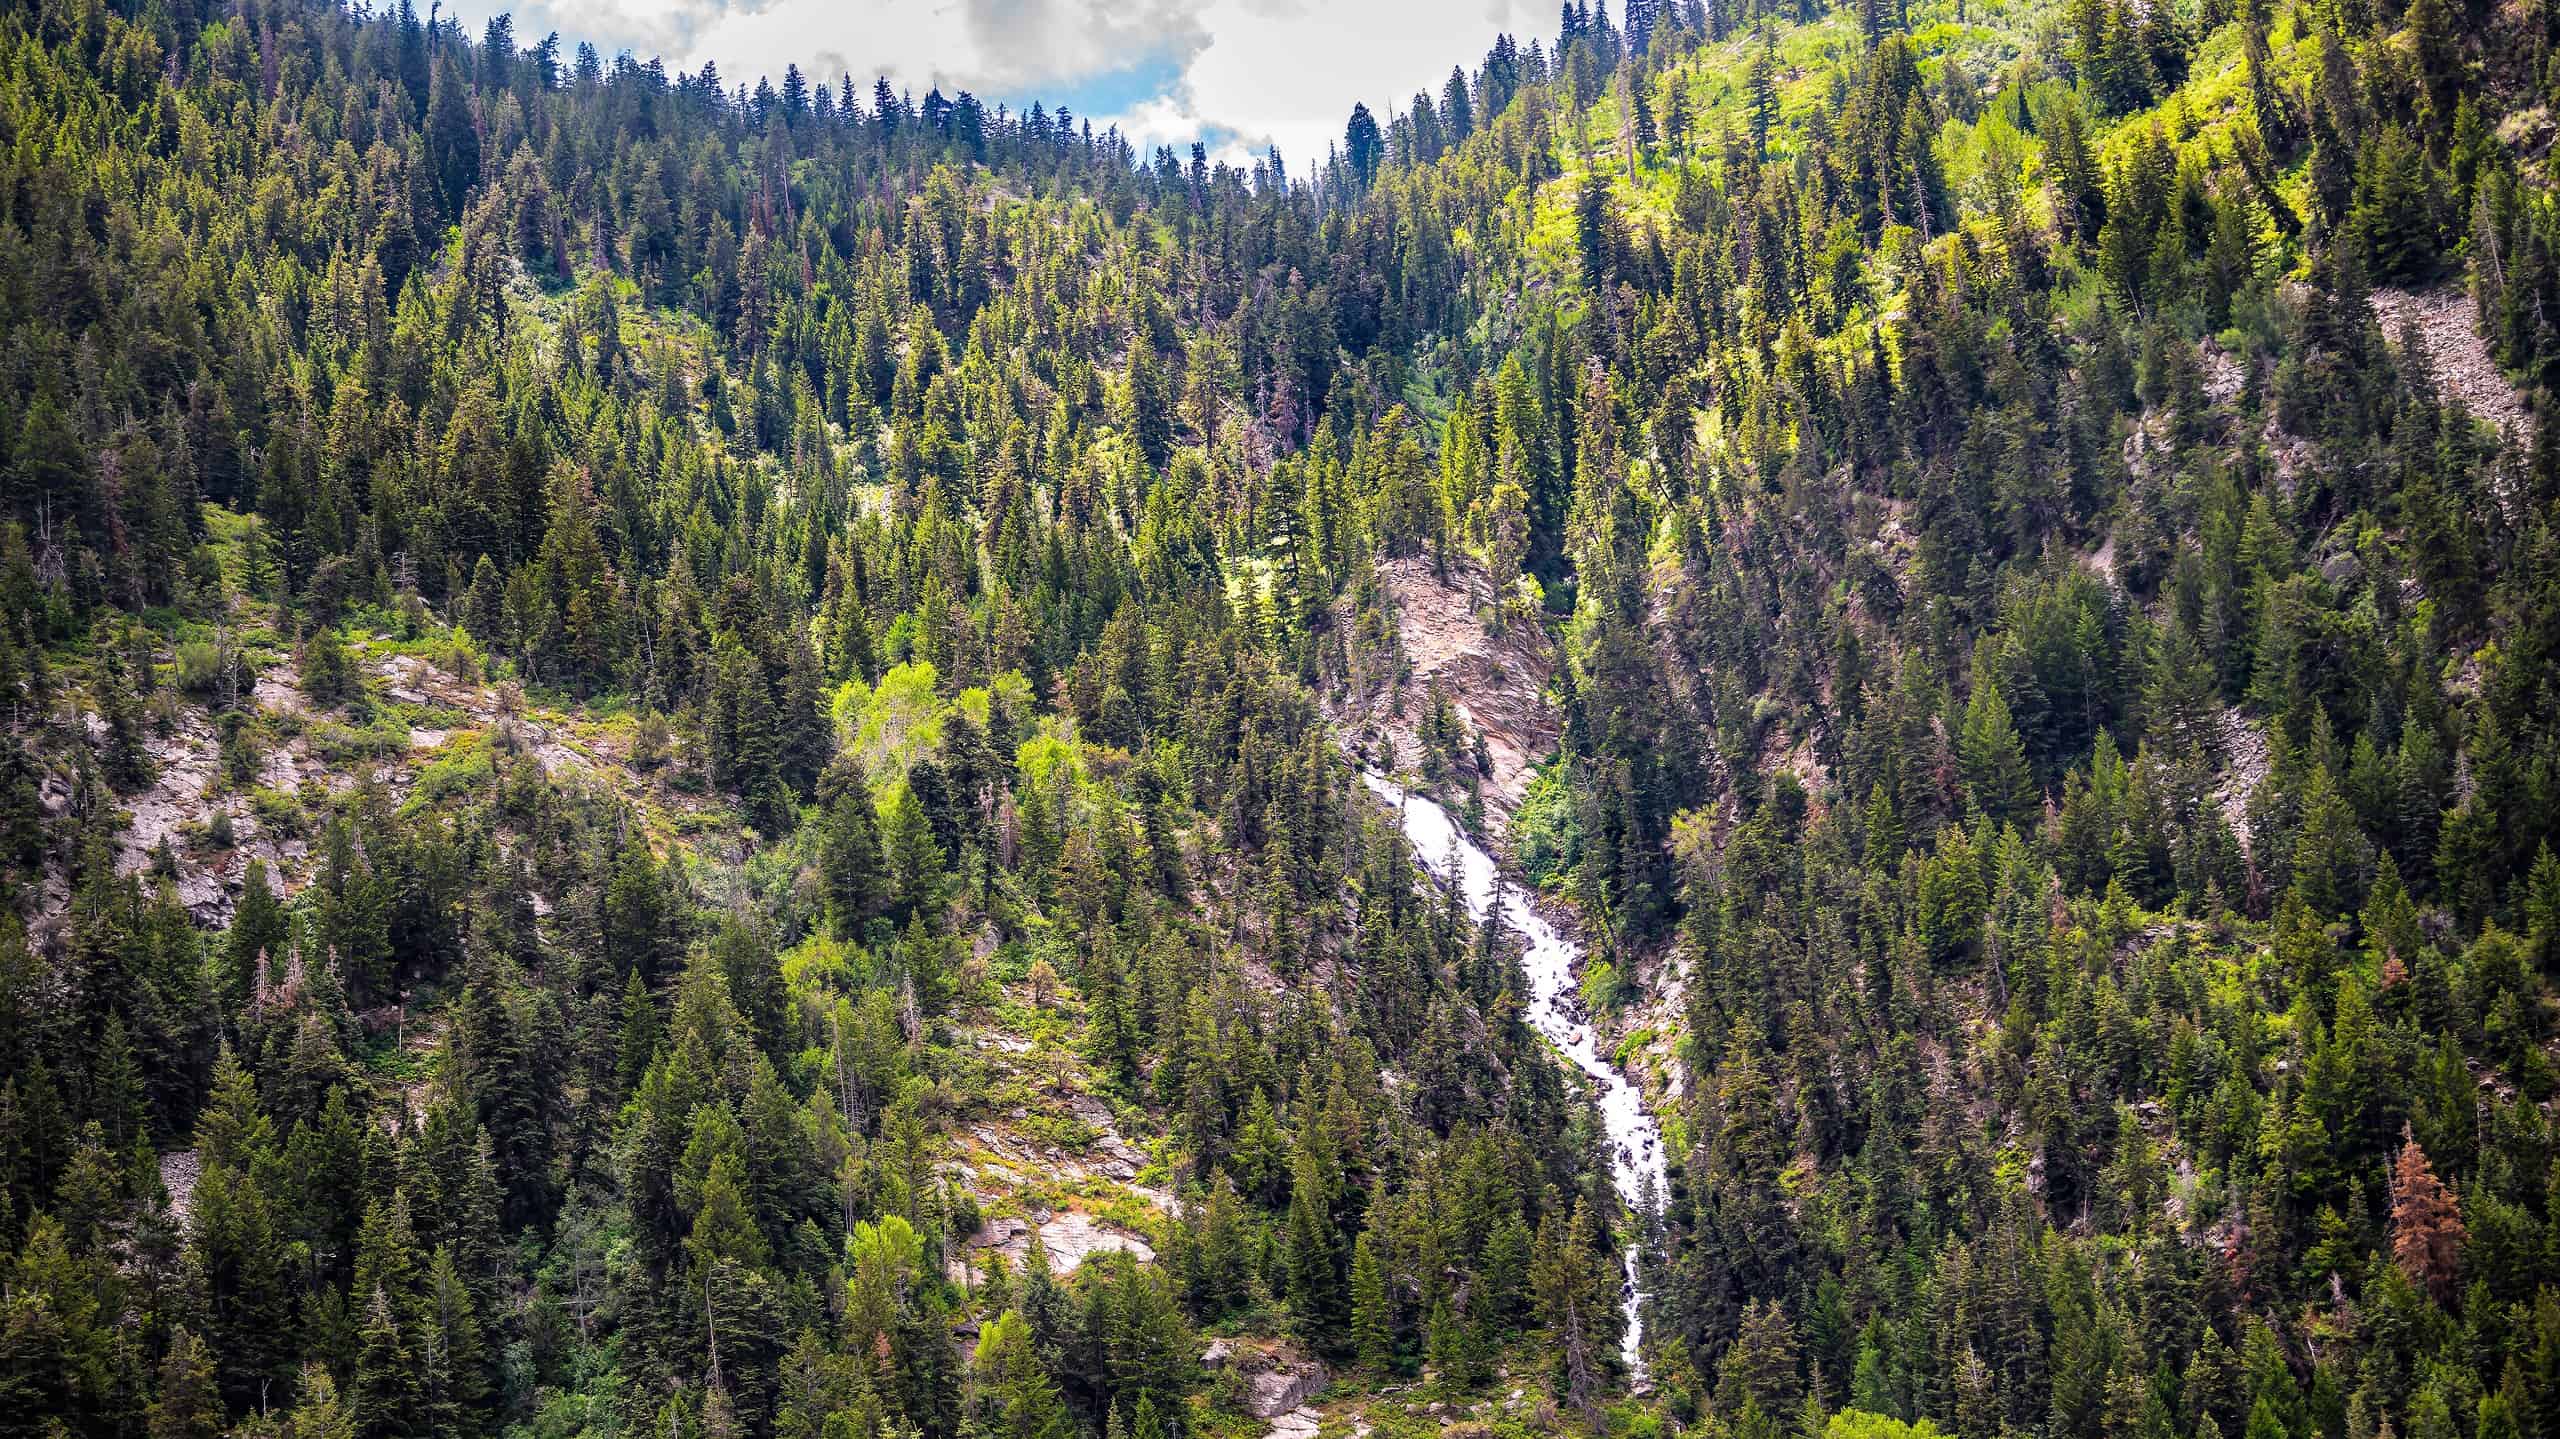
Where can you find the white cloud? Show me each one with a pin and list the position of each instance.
(1024, 48)
(1243, 74)
(1289, 71)
(1024, 43)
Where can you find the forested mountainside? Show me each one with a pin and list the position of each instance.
(682, 759)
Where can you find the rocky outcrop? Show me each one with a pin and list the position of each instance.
(277, 693)
(1071, 1237)
(1278, 1391)
(179, 1170)
(1279, 1381)
(182, 765)
(1108, 1155)
(2243, 747)
(1120, 1160)
(2445, 322)
(168, 823)
(1496, 679)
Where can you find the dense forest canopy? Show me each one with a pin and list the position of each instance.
(660, 729)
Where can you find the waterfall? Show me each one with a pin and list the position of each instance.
(1635, 1139)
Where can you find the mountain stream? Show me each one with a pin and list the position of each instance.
(1636, 1158)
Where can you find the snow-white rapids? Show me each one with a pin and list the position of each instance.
(1636, 1158)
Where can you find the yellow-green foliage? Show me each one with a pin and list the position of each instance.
(891, 725)
(1859, 1424)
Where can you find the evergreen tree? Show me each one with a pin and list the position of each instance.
(2426, 1225)
(1372, 1311)
(1011, 1391)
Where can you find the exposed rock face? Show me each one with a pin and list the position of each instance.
(276, 693)
(408, 679)
(2243, 749)
(165, 819)
(1070, 1236)
(168, 822)
(1279, 1381)
(1278, 1391)
(179, 1170)
(1120, 1159)
(1109, 1156)
(2445, 322)
(1496, 682)
(182, 770)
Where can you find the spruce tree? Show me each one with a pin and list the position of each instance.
(1372, 1311)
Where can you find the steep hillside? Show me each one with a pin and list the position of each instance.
(1446, 681)
(681, 759)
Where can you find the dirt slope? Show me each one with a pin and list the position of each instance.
(2445, 323)
(1496, 682)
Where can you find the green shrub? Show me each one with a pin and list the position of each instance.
(1546, 836)
(198, 666)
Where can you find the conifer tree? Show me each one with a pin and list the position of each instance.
(1315, 1287)
(187, 1406)
(1372, 1312)
(1011, 1393)
(1995, 761)
(2426, 1225)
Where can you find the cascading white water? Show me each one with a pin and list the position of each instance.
(1637, 1160)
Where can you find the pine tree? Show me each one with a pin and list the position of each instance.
(850, 860)
(1760, 92)
(1995, 761)
(328, 675)
(1011, 1393)
(1372, 1311)
(2426, 1225)
(235, 1243)
(1315, 1289)
(637, 919)
(2542, 908)
(454, 1368)
(386, 1392)
(320, 1412)
(913, 857)
(640, 1032)
(724, 1229)
(125, 757)
(188, 1405)
(1362, 146)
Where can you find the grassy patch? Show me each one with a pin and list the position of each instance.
(462, 767)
